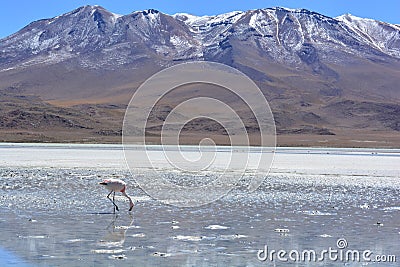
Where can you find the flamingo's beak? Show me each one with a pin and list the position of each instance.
(103, 183)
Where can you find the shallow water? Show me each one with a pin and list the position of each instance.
(54, 213)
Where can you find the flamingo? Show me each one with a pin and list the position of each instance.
(116, 185)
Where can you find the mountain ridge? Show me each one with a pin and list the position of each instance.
(105, 19)
(307, 64)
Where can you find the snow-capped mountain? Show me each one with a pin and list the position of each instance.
(285, 35)
(318, 72)
(96, 38)
(383, 36)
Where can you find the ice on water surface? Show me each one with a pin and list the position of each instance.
(55, 212)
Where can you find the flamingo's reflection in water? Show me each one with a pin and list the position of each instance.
(114, 239)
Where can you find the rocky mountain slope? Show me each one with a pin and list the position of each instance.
(328, 80)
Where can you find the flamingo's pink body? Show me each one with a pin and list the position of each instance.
(116, 185)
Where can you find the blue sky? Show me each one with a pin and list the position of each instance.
(15, 14)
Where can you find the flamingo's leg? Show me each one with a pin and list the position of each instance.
(113, 200)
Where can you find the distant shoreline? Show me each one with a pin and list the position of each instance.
(120, 145)
(290, 141)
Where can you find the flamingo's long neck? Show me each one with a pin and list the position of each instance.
(130, 200)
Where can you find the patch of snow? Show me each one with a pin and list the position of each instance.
(152, 17)
(350, 18)
(115, 17)
(198, 21)
(34, 42)
(7, 69)
(178, 41)
(372, 32)
(284, 9)
(185, 17)
(93, 11)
